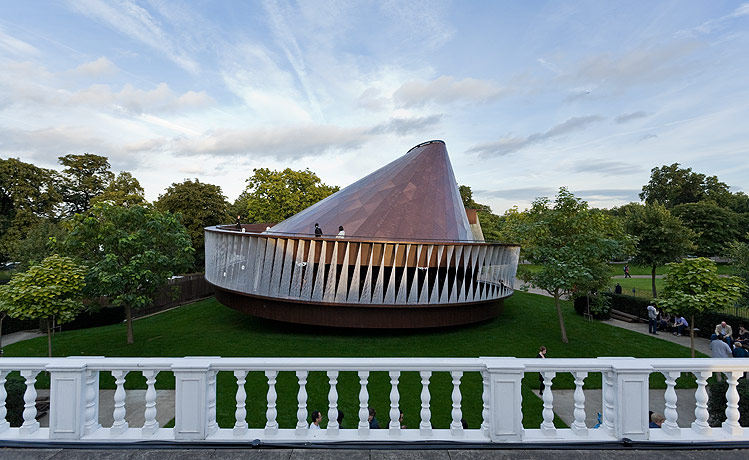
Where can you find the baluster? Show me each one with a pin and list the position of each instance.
(608, 401)
(333, 403)
(151, 425)
(30, 424)
(301, 413)
(425, 427)
(731, 425)
(456, 427)
(240, 414)
(547, 427)
(4, 425)
(363, 403)
(92, 400)
(485, 399)
(578, 426)
(701, 414)
(271, 425)
(120, 425)
(395, 425)
(670, 426)
(212, 426)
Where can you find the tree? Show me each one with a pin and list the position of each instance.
(489, 221)
(272, 196)
(123, 190)
(85, 176)
(661, 236)
(571, 243)
(198, 205)
(37, 243)
(715, 226)
(694, 286)
(51, 291)
(131, 252)
(738, 251)
(28, 195)
(672, 185)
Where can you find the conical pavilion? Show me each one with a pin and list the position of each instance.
(408, 258)
(413, 197)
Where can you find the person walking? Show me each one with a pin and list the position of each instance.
(626, 272)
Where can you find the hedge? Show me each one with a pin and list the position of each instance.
(716, 404)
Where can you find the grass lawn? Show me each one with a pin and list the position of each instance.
(209, 328)
(643, 286)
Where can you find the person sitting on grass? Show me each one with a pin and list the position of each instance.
(679, 324)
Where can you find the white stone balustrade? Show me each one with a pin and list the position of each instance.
(74, 401)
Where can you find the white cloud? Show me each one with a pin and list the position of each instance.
(98, 68)
(446, 90)
(15, 46)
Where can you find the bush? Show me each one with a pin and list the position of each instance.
(95, 318)
(15, 387)
(707, 321)
(716, 404)
(600, 306)
(628, 304)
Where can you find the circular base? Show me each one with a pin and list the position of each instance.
(361, 316)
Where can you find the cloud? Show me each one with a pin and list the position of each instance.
(98, 68)
(508, 145)
(137, 23)
(403, 126)
(606, 167)
(717, 24)
(531, 193)
(625, 117)
(446, 90)
(608, 194)
(577, 94)
(648, 136)
(15, 46)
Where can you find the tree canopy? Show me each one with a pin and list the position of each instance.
(51, 290)
(488, 220)
(671, 185)
(714, 226)
(85, 176)
(272, 196)
(123, 190)
(198, 205)
(661, 236)
(571, 243)
(131, 252)
(694, 286)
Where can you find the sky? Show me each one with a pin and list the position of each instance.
(528, 96)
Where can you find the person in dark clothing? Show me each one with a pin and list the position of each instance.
(618, 288)
(239, 223)
(318, 230)
(373, 423)
(542, 355)
(340, 418)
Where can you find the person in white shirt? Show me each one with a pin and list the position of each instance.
(316, 419)
(341, 233)
(652, 320)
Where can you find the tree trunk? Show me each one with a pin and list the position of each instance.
(655, 294)
(691, 333)
(129, 320)
(561, 318)
(49, 337)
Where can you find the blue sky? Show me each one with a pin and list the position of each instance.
(529, 96)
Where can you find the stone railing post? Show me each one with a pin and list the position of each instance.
(191, 399)
(67, 398)
(631, 398)
(505, 413)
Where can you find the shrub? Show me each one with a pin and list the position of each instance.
(716, 404)
(15, 387)
(600, 306)
(628, 304)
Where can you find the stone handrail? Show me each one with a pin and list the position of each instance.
(74, 400)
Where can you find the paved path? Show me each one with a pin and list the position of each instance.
(366, 454)
(19, 336)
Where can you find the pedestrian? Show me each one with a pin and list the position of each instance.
(618, 288)
(542, 355)
(239, 223)
(626, 272)
(318, 230)
(652, 320)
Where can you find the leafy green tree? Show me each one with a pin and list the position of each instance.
(38, 242)
(272, 196)
(738, 251)
(571, 243)
(198, 205)
(672, 186)
(489, 221)
(85, 176)
(715, 226)
(693, 286)
(28, 195)
(661, 236)
(51, 291)
(123, 190)
(131, 252)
